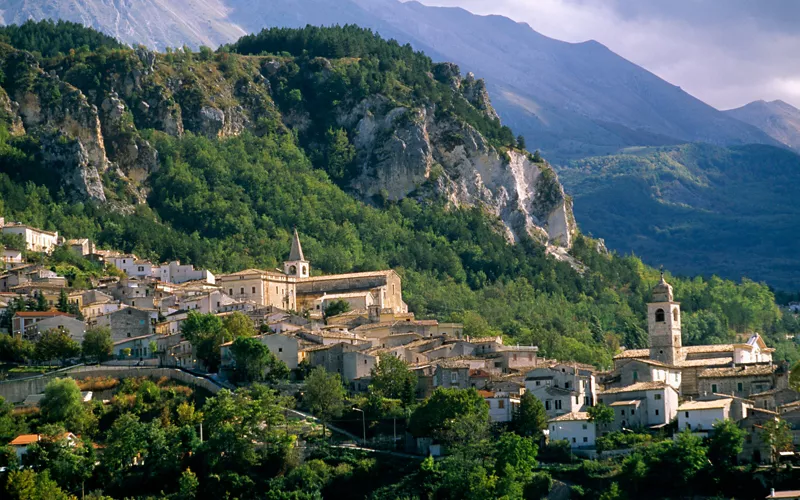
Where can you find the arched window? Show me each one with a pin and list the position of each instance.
(659, 315)
(292, 269)
(675, 315)
(304, 271)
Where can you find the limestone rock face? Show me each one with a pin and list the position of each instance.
(475, 92)
(69, 157)
(402, 151)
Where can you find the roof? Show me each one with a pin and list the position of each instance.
(715, 404)
(633, 353)
(689, 363)
(698, 349)
(785, 494)
(41, 314)
(129, 339)
(578, 416)
(296, 253)
(25, 439)
(367, 274)
(652, 362)
(629, 402)
(640, 386)
(738, 371)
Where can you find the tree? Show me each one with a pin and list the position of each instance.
(516, 452)
(777, 434)
(339, 154)
(153, 347)
(336, 307)
(601, 414)
(531, 418)
(188, 482)
(9, 426)
(537, 157)
(26, 484)
(97, 343)
(392, 378)
(69, 464)
(56, 344)
(63, 301)
(41, 302)
(255, 362)
(63, 404)
(456, 416)
(15, 349)
(239, 325)
(206, 332)
(324, 395)
(521, 142)
(725, 444)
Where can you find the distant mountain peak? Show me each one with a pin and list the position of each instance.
(779, 119)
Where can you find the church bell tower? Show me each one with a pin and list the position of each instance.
(664, 325)
(297, 265)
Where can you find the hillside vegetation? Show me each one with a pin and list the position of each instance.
(226, 196)
(697, 209)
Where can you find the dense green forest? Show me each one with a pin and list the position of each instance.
(54, 38)
(696, 208)
(230, 203)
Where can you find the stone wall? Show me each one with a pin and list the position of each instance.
(15, 391)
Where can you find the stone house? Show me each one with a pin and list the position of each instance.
(631, 371)
(574, 428)
(755, 449)
(264, 288)
(562, 388)
(286, 348)
(644, 404)
(130, 322)
(206, 303)
(36, 240)
(456, 372)
(775, 398)
(82, 246)
(139, 347)
(502, 405)
(700, 416)
(738, 380)
(29, 324)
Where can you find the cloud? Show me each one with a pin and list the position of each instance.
(726, 53)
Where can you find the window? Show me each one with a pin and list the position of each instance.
(687, 414)
(453, 377)
(660, 316)
(739, 387)
(573, 440)
(635, 376)
(657, 397)
(230, 291)
(633, 411)
(622, 412)
(280, 349)
(558, 404)
(656, 412)
(713, 387)
(675, 314)
(501, 404)
(241, 290)
(538, 383)
(585, 439)
(254, 290)
(547, 405)
(553, 428)
(566, 384)
(584, 426)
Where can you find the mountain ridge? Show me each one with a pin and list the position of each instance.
(777, 118)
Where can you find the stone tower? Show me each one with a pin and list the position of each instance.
(297, 265)
(664, 325)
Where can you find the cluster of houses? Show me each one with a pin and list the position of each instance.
(665, 385)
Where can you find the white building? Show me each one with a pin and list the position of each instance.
(575, 428)
(700, 416)
(644, 404)
(502, 405)
(11, 257)
(36, 240)
(206, 303)
(562, 388)
(175, 272)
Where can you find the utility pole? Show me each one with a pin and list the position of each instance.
(363, 424)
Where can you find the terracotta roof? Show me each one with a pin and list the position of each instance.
(579, 416)
(640, 386)
(25, 439)
(348, 275)
(652, 362)
(689, 363)
(738, 371)
(486, 394)
(41, 314)
(633, 353)
(705, 405)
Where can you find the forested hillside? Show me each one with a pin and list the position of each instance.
(212, 158)
(698, 208)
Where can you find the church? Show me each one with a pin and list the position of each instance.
(740, 369)
(297, 290)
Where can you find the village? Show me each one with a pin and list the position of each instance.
(667, 386)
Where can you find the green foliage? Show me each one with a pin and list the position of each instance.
(601, 414)
(15, 349)
(255, 362)
(56, 344)
(324, 394)
(725, 444)
(619, 440)
(9, 426)
(446, 410)
(530, 419)
(97, 343)
(49, 38)
(25, 484)
(777, 434)
(206, 332)
(336, 307)
(391, 378)
(63, 404)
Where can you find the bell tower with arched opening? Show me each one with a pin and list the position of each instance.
(664, 325)
(297, 265)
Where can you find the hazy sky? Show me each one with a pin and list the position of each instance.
(725, 52)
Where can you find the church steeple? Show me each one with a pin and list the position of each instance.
(297, 265)
(664, 324)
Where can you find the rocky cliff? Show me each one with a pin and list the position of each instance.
(88, 112)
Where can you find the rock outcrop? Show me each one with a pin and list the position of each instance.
(401, 151)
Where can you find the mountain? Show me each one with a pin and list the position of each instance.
(696, 208)
(778, 119)
(569, 100)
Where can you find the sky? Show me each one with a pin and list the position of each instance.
(725, 52)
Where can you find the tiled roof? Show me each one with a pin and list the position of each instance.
(630, 402)
(367, 274)
(578, 416)
(705, 405)
(738, 371)
(652, 362)
(25, 439)
(640, 386)
(633, 353)
(41, 314)
(690, 363)
(699, 349)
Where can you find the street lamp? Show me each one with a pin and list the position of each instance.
(363, 423)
